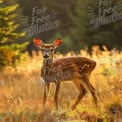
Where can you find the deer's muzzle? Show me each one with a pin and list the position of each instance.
(45, 56)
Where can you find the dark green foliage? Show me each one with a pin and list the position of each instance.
(10, 51)
(75, 26)
(84, 34)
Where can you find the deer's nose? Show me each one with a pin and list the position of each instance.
(46, 56)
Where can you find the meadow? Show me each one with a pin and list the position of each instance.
(21, 91)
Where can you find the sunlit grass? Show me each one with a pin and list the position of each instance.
(21, 91)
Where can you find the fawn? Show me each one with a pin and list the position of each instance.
(76, 69)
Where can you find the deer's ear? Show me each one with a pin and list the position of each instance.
(37, 42)
(57, 42)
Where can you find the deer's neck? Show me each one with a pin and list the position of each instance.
(47, 63)
(46, 67)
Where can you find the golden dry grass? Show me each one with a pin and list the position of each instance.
(21, 91)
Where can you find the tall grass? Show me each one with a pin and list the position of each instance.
(21, 91)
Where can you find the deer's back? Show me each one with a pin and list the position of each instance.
(77, 65)
(65, 69)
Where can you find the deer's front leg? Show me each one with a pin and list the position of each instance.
(46, 91)
(57, 94)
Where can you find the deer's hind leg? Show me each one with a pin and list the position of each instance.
(81, 90)
(86, 83)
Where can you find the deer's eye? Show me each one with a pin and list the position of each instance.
(51, 49)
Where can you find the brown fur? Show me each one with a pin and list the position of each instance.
(80, 68)
(75, 69)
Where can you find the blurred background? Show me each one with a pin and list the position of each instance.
(73, 25)
(85, 33)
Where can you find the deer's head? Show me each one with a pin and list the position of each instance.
(47, 49)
